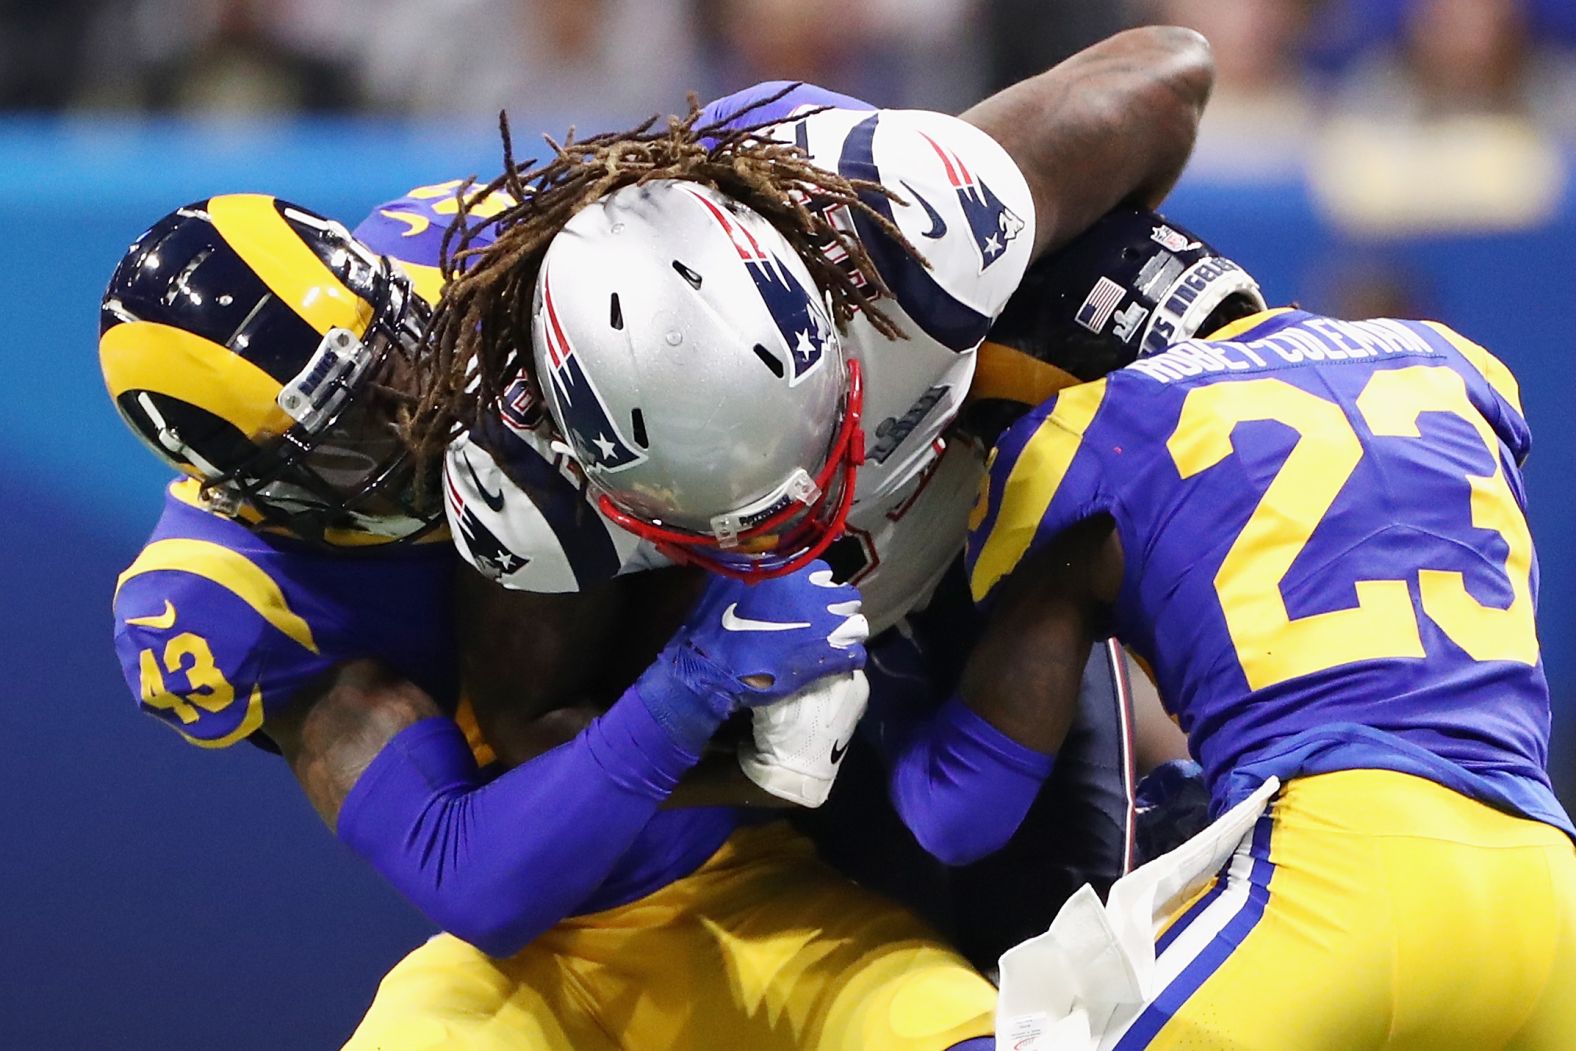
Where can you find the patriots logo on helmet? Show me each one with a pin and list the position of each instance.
(597, 441)
(488, 554)
(798, 317)
(991, 222)
(794, 312)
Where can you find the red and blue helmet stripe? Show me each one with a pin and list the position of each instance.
(799, 319)
(597, 440)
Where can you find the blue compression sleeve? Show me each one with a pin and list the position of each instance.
(498, 863)
(962, 786)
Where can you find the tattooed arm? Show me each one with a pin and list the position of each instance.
(332, 732)
(483, 859)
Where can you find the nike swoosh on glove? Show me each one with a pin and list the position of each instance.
(746, 645)
(799, 742)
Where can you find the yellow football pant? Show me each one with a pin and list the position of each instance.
(762, 947)
(1375, 910)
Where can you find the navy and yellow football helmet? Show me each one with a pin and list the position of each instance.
(258, 347)
(1128, 287)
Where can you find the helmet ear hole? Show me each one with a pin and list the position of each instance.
(687, 274)
(771, 360)
(615, 312)
(637, 423)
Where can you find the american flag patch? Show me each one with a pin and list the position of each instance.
(1099, 304)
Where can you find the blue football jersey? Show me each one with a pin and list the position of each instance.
(1327, 560)
(218, 625)
(749, 107)
(410, 229)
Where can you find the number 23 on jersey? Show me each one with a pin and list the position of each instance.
(1271, 645)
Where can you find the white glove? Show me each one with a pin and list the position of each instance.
(800, 740)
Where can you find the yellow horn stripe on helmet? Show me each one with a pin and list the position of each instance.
(253, 227)
(145, 355)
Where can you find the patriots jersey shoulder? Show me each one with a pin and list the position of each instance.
(519, 512)
(961, 203)
(951, 190)
(1327, 558)
(218, 626)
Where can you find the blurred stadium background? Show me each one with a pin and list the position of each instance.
(1408, 157)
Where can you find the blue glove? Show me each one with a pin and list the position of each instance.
(746, 645)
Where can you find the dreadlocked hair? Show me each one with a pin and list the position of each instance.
(480, 336)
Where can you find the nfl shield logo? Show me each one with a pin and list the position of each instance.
(1170, 240)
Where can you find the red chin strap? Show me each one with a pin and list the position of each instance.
(806, 540)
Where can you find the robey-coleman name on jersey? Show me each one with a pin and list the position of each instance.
(1322, 339)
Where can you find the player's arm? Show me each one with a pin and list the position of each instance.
(1024, 674)
(332, 730)
(481, 859)
(1042, 555)
(963, 780)
(485, 859)
(1114, 122)
(539, 667)
(220, 647)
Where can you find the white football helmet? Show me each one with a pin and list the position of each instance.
(690, 361)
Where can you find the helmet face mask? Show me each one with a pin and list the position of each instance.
(344, 465)
(691, 364)
(782, 533)
(260, 349)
